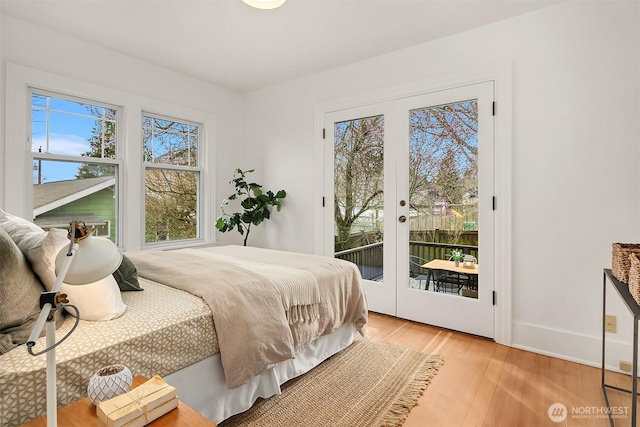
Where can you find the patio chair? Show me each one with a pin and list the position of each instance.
(418, 273)
(450, 281)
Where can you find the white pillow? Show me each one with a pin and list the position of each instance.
(100, 300)
(24, 233)
(96, 301)
(43, 257)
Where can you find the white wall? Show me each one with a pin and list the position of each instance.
(38, 48)
(575, 156)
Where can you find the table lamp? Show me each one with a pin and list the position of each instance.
(86, 260)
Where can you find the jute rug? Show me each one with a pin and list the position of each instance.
(371, 383)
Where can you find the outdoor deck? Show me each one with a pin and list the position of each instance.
(369, 258)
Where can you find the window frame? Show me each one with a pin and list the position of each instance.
(16, 190)
(118, 162)
(164, 166)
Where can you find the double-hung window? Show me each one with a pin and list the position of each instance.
(75, 154)
(172, 176)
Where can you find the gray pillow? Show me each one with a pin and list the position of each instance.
(20, 290)
(127, 275)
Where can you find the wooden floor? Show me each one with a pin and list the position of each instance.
(487, 384)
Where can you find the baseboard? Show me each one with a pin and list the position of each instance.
(573, 347)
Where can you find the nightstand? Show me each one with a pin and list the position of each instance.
(83, 414)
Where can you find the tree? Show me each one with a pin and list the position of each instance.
(169, 142)
(443, 162)
(102, 142)
(358, 169)
(448, 183)
(445, 141)
(170, 205)
(444, 137)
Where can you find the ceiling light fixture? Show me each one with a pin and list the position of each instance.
(264, 4)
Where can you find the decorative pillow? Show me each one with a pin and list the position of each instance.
(43, 257)
(127, 275)
(100, 300)
(97, 301)
(24, 233)
(20, 291)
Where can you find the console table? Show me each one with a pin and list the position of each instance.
(634, 309)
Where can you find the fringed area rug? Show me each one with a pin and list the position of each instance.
(370, 383)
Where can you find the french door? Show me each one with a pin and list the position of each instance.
(410, 181)
(360, 210)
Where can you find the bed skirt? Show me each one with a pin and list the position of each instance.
(202, 385)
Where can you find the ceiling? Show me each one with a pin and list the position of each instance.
(229, 44)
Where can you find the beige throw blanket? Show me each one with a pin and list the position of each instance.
(298, 289)
(249, 317)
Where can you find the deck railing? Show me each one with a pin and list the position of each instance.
(369, 258)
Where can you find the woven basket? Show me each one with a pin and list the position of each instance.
(620, 261)
(634, 277)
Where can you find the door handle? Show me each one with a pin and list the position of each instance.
(402, 218)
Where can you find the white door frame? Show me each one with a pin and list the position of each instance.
(501, 74)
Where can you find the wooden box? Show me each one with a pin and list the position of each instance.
(140, 406)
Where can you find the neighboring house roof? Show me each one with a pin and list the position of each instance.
(51, 195)
(62, 221)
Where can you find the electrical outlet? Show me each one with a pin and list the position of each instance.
(610, 324)
(625, 366)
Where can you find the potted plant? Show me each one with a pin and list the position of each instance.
(456, 256)
(255, 204)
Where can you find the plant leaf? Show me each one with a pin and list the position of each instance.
(256, 189)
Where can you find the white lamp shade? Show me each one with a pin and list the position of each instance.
(95, 259)
(264, 4)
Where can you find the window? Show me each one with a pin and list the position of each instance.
(172, 179)
(74, 145)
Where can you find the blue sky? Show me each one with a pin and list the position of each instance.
(68, 134)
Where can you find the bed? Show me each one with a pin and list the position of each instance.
(171, 330)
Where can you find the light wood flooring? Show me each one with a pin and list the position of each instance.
(487, 384)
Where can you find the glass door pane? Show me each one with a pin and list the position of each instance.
(443, 196)
(359, 194)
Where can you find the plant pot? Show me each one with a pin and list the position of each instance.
(108, 382)
(457, 263)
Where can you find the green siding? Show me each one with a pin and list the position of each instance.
(100, 204)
